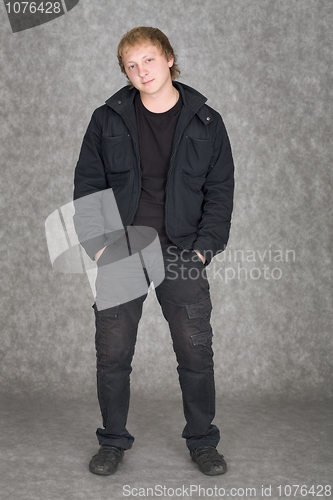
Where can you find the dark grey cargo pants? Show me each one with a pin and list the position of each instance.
(186, 305)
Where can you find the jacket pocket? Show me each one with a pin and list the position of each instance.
(189, 204)
(195, 182)
(118, 153)
(197, 157)
(122, 187)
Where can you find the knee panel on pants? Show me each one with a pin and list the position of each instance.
(114, 343)
(192, 337)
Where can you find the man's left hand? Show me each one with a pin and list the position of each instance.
(202, 258)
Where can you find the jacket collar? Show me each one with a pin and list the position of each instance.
(193, 101)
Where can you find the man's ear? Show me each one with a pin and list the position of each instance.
(170, 61)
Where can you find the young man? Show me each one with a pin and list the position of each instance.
(167, 157)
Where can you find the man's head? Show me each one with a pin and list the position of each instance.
(144, 35)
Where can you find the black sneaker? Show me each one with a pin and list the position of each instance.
(209, 460)
(106, 460)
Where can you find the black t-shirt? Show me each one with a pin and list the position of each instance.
(156, 133)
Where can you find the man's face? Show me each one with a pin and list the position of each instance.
(147, 68)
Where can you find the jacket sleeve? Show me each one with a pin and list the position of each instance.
(90, 179)
(218, 189)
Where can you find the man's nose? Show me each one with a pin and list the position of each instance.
(142, 71)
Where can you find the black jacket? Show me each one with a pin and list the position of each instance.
(200, 183)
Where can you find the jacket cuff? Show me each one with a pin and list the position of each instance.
(203, 246)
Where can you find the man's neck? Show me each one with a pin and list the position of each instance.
(161, 102)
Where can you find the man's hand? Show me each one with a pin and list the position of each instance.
(98, 254)
(202, 258)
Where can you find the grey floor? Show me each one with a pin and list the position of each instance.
(46, 445)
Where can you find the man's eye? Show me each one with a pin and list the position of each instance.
(148, 60)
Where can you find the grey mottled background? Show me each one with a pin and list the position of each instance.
(266, 65)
